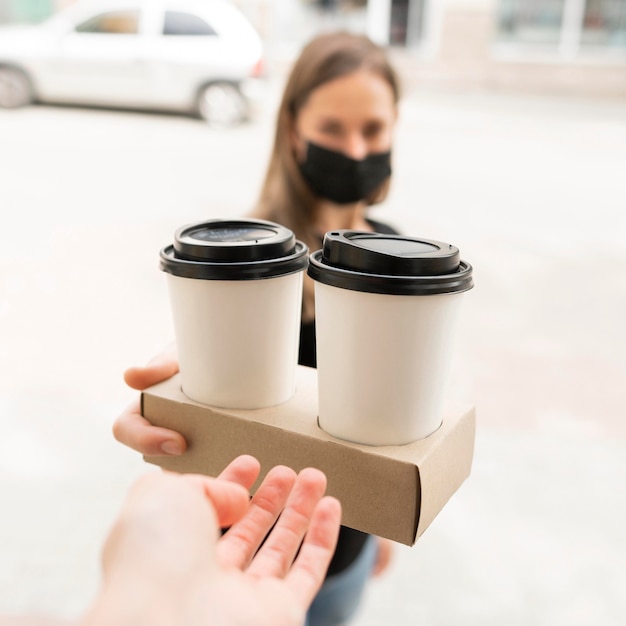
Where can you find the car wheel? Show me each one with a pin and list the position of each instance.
(15, 88)
(222, 104)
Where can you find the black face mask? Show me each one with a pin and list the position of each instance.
(337, 177)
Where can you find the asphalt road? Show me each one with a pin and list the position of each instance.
(531, 190)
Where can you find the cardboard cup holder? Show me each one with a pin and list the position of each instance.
(390, 491)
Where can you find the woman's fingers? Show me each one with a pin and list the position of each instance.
(241, 541)
(161, 367)
(136, 432)
(384, 556)
(131, 428)
(280, 548)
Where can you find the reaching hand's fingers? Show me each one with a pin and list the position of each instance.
(280, 548)
(229, 500)
(244, 470)
(160, 368)
(136, 432)
(307, 574)
(241, 541)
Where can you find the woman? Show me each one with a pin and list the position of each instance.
(330, 161)
(331, 155)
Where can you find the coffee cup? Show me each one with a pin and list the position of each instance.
(235, 290)
(386, 311)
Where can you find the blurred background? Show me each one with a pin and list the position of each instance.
(511, 144)
(562, 47)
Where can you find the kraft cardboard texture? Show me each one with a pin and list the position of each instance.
(389, 491)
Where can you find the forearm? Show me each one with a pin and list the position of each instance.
(134, 605)
(108, 611)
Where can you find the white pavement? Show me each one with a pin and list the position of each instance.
(531, 190)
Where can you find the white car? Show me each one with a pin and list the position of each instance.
(194, 56)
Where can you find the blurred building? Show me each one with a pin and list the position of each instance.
(25, 10)
(561, 47)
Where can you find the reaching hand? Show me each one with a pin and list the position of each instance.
(164, 564)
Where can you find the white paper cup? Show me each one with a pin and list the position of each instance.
(235, 290)
(385, 334)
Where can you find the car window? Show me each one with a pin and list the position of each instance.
(179, 23)
(117, 23)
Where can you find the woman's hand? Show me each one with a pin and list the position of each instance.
(131, 428)
(384, 556)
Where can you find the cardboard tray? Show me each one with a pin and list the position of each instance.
(390, 491)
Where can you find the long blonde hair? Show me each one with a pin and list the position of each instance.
(285, 197)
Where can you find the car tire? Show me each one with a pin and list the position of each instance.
(15, 88)
(222, 104)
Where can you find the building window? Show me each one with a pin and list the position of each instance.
(407, 22)
(530, 21)
(604, 23)
(565, 25)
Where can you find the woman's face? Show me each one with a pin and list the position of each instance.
(354, 114)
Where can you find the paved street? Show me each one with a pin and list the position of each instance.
(531, 190)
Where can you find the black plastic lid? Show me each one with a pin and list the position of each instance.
(389, 264)
(241, 249)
